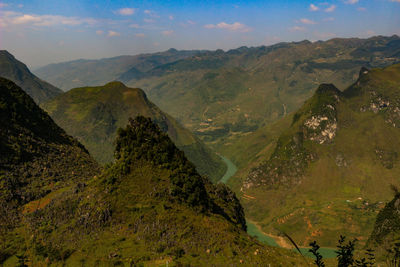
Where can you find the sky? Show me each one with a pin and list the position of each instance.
(39, 32)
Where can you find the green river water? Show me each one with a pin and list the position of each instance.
(253, 230)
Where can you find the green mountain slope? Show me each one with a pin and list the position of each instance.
(330, 170)
(93, 115)
(37, 159)
(16, 71)
(79, 73)
(150, 207)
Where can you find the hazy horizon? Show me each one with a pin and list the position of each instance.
(44, 32)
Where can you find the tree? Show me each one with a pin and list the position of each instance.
(345, 252)
(318, 257)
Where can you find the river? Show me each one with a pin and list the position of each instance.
(230, 171)
(253, 229)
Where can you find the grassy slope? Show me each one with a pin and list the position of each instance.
(16, 71)
(128, 215)
(361, 162)
(93, 114)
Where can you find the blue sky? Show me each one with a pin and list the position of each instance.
(39, 32)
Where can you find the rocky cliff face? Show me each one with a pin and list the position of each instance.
(315, 122)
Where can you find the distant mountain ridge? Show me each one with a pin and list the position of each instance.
(93, 115)
(222, 95)
(12, 69)
(83, 72)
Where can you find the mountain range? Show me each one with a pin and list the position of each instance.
(222, 95)
(103, 176)
(83, 72)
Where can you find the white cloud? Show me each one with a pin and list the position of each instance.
(113, 34)
(156, 44)
(361, 9)
(99, 32)
(191, 22)
(331, 8)
(166, 33)
(398, 1)
(27, 19)
(351, 2)
(3, 5)
(313, 7)
(139, 35)
(136, 26)
(297, 29)
(9, 18)
(307, 21)
(171, 17)
(126, 11)
(237, 26)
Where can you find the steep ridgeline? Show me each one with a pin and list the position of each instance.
(16, 71)
(332, 168)
(79, 73)
(222, 95)
(385, 237)
(93, 115)
(149, 208)
(37, 159)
